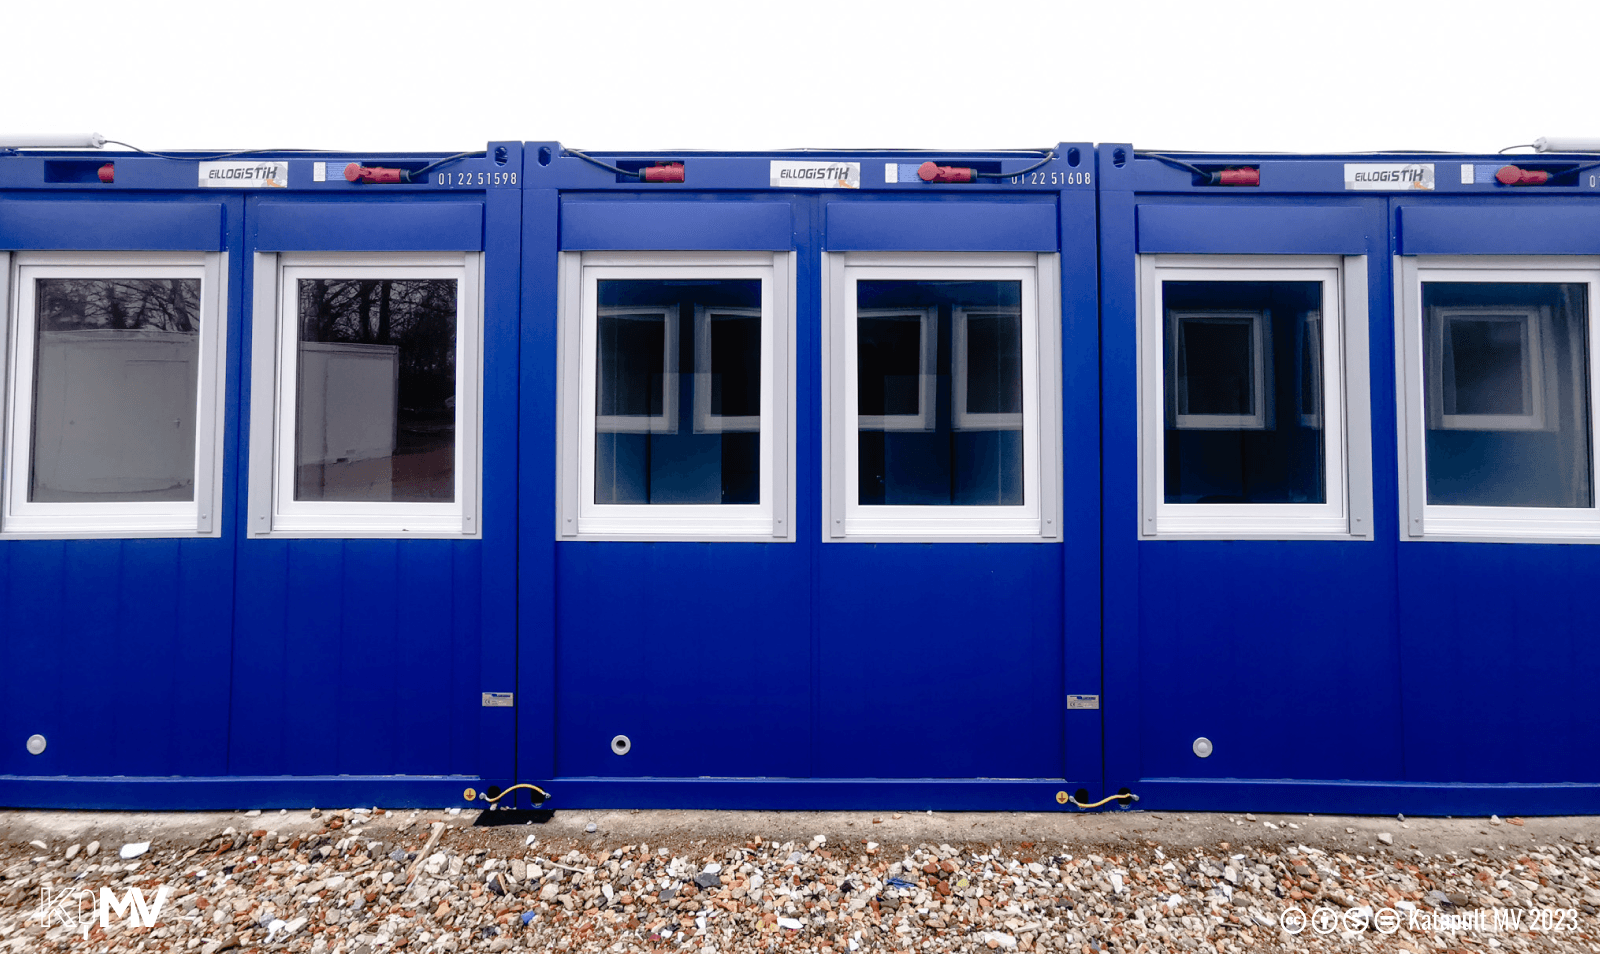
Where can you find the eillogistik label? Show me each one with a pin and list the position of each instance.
(244, 175)
(816, 175)
(1388, 176)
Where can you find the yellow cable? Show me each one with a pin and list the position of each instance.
(544, 796)
(1108, 798)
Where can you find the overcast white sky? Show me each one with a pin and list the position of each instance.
(1339, 75)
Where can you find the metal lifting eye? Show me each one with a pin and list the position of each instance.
(621, 745)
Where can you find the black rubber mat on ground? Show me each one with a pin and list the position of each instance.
(515, 816)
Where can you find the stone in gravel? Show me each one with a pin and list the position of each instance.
(73, 852)
(519, 869)
(39, 845)
(92, 850)
(1385, 838)
(708, 879)
(790, 923)
(133, 849)
(1494, 819)
(549, 892)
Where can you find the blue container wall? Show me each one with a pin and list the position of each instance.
(111, 647)
(804, 674)
(226, 672)
(1501, 637)
(1352, 676)
(1348, 676)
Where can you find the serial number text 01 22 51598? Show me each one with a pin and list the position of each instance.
(450, 179)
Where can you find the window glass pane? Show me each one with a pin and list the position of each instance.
(939, 393)
(662, 346)
(375, 409)
(1243, 378)
(1507, 394)
(1216, 365)
(994, 362)
(889, 350)
(116, 372)
(734, 378)
(632, 345)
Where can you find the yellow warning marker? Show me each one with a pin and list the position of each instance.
(471, 794)
(1061, 798)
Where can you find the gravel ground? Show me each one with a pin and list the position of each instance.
(364, 881)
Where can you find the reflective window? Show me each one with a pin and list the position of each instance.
(662, 345)
(373, 428)
(114, 387)
(939, 392)
(376, 390)
(1507, 394)
(1243, 376)
(116, 371)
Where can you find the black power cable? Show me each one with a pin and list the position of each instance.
(1207, 178)
(1048, 155)
(604, 165)
(439, 162)
(220, 155)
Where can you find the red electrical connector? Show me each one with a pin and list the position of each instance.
(933, 172)
(356, 172)
(663, 172)
(108, 172)
(1242, 176)
(1515, 176)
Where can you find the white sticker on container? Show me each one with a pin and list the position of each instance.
(244, 175)
(891, 172)
(319, 172)
(1388, 176)
(787, 174)
(1466, 173)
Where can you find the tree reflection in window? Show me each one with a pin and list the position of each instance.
(375, 408)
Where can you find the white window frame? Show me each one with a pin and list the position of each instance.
(706, 422)
(667, 421)
(1345, 413)
(927, 372)
(1037, 519)
(21, 518)
(1261, 381)
(1422, 521)
(1538, 349)
(960, 418)
(578, 517)
(273, 511)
